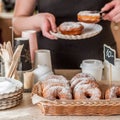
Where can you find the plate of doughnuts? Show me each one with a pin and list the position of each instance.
(77, 30)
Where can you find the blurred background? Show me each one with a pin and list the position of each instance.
(6, 14)
(8, 5)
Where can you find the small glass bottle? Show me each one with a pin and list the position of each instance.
(28, 78)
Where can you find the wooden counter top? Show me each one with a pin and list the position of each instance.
(27, 111)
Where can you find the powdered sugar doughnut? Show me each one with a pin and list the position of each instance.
(71, 28)
(46, 87)
(84, 86)
(86, 92)
(112, 93)
(88, 16)
(54, 79)
(84, 78)
(58, 92)
(56, 87)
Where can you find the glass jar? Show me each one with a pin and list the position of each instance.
(93, 67)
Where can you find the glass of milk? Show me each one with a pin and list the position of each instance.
(93, 67)
(115, 70)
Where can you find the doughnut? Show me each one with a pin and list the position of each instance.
(56, 87)
(86, 92)
(58, 92)
(54, 80)
(71, 28)
(112, 92)
(84, 86)
(88, 16)
(82, 75)
(47, 86)
(84, 78)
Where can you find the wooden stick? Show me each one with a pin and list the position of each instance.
(15, 60)
(9, 49)
(110, 80)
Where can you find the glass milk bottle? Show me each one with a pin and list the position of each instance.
(93, 67)
(115, 70)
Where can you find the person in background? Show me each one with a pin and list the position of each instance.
(66, 54)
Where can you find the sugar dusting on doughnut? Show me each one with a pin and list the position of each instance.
(83, 81)
(88, 16)
(70, 25)
(82, 76)
(89, 13)
(56, 78)
(46, 87)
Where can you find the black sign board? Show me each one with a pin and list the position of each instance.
(109, 54)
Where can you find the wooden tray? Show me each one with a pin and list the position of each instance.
(80, 107)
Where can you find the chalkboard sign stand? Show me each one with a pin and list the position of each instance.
(110, 81)
(110, 56)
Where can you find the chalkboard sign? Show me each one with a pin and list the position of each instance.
(109, 54)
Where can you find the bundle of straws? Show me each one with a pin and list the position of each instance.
(10, 58)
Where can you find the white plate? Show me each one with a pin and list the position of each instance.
(90, 30)
(9, 85)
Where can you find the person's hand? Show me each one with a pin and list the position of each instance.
(46, 23)
(114, 14)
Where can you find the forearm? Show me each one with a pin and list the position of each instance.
(25, 19)
(116, 32)
(23, 16)
(24, 23)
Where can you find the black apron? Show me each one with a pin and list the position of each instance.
(68, 54)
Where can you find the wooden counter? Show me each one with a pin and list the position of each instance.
(27, 111)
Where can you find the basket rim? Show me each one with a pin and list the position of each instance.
(102, 102)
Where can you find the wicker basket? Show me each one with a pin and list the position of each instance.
(102, 107)
(79, 107)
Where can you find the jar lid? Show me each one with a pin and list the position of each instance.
(91, 63)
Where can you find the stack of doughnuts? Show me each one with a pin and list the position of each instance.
(84, 86)
(56, 87)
